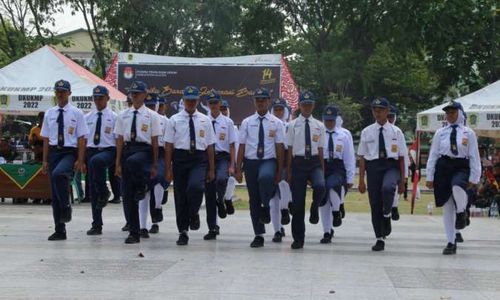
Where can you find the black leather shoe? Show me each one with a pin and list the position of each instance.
(154, 229)
(157, 215)
(194, 222)
(460, 221)
(85, 200)
(257, 242)
(115, 200)
(57, 236)
(221, 210)
(144, 233)
(297, 245)
(277, 238)
(229, 207)
(211, 235)
(285, 217)
(217, 229)
(102, 200)
(450, 249)
(379, 246)
(327, 237)
(141, 192)
(265, 215)
(314, 214)
(342, 210)
(66, 215)
(459, 238)
(183, 239)
(395, 214)
(337, 219)
(125, 227)
(132, 239)
(282, 230)
(386, 226)
(290, 208)
(94, 231)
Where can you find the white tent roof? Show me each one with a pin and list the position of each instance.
(26, 85)
(482, 108)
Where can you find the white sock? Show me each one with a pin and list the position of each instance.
(335, 200)
(417, 193)
(274, 207)
(342, 195)
(326, 216)
(285, 194)
(460, 197)
(231, 186)
(396, 199)
(159, 191)
(144, 212)
(449, 216)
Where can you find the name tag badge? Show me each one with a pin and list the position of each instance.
(394, 148)
(144, 127)
(71, 130)
(107, 130)
(315, 138)
(222, 136)
(338, 148)
(202, 133)
(465, 141)
(272, 133)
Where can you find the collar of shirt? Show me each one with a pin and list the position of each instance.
(142, 110)
(65, 108)
(217, 119)
(266, 116)
(186, 114)
(303, 119)
(386, 126)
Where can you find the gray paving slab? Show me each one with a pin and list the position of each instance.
(103, 267)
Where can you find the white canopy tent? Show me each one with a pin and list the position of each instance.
(26, 85)
(482, 108)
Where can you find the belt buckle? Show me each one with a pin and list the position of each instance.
(100, 148)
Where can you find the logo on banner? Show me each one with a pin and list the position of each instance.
(4, 101)
(473, 119)
(424, 121)
(128, 73)
(267, 76)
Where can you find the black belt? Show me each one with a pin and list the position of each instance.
(189, 151)
(58, 148)
(304, 158)
(133, 144)
(453, 158)
(102, 148)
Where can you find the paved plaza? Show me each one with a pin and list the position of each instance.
(103, 267)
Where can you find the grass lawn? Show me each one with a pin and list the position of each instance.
(355, 202)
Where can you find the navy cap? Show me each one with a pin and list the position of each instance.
(191, 93)
(62, 85)
(306, 97)
(100, 91)
(138, 87)
(393, 110)
(279, 102)
(213, 96)
(151, 99)
(224, 103)
(380, 102)
(261, 93)
(453, 105)
(330, 112)
(162, 100)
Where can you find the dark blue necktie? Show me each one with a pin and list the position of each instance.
(133, 130)
(308, 153)
(213, 125)
(192, 135)
(60, 128)
(453, 140)
(260, 146)
(97, 133)
(382, 153)
(330, 145)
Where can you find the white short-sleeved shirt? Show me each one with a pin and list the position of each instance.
(225, 135)
(74, 125)
(107, 135)
(296, 135)
(147, 124)
(163, 124)
(466, 146)
(273, 134)
(343, 148)
(177, 131)
(394, 140)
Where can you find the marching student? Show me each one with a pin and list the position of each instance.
(137, 130)
(101, 154)
(225, 137)
(63, 132)
(381, 156)
(260, 156)
(340, 164)
(453, 166)
(231, 181)
(283, 196)
(189, 160)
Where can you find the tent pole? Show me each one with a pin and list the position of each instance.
(416, 174)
